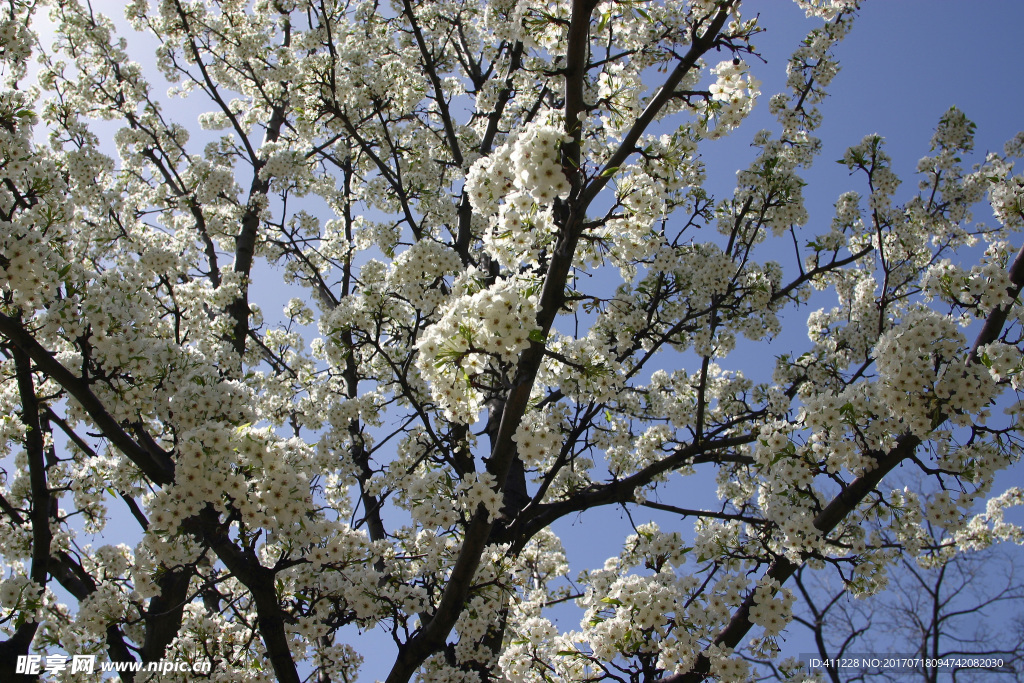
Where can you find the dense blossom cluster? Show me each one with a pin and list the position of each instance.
(516, 187)
(474, 334)
(733, 95)
(425, 281)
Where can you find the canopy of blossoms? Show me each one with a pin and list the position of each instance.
(513, 301)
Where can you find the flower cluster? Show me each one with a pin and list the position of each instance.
(538, 437)
(733, 95)
(981, 289)
(771, 612)
(515, 187)
(424, 262)
(733, 82)
(492, 325)
(480, 492)
(908, 357)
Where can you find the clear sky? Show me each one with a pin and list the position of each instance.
(903, 65)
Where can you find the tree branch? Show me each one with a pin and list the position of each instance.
(153, 461)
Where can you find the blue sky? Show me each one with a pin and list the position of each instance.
(903, 65)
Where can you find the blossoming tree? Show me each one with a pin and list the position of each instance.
(513, 302)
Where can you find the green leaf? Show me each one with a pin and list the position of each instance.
(538, 336)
